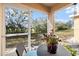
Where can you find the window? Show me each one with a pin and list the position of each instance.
(24, 26)
(16, 26)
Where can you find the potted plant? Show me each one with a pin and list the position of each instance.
(52, 42)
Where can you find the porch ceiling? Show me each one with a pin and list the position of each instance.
(55, 6)
(48, 4)
(47, 7)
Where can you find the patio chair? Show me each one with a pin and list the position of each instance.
(20, 49)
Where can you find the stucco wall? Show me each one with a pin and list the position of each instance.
(0, 25)
(2, 30)
(76, 28)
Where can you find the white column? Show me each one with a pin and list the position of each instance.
(29, 31)
(76, 28)
(49, 26)
(50, 22)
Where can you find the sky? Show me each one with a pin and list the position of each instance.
(37, 14)
(62, 15)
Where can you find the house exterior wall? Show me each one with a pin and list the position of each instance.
(76, 28)
(2, 30)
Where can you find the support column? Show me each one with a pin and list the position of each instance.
(50, 22)
(76, 28)
(2, 30)
(29, 31)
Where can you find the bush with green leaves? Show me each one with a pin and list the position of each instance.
(64, 26)
(71, 50)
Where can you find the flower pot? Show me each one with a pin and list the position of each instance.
(52, 48)
(49, 48)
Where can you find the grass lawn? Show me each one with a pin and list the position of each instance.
(64, 34)
(13, 41)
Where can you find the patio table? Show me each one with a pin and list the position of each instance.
(42, 51)
(61, 51)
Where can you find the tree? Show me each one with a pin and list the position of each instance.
(40, 25)
(64, 26)
(16, 20)
(70, 23)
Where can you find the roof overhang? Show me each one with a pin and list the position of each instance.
(47, 7)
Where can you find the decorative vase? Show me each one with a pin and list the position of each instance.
(52, 48)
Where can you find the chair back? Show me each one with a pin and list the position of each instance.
(20, 49)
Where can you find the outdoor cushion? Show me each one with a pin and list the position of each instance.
(30, 53)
